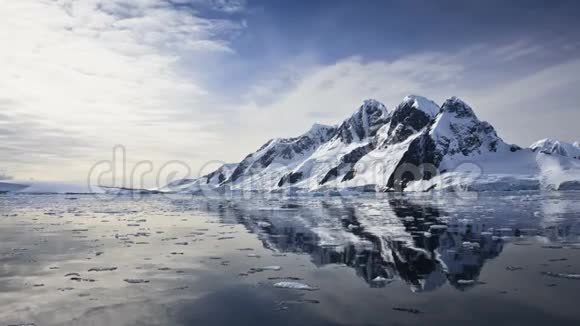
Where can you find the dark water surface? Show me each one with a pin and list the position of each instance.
(505, 258)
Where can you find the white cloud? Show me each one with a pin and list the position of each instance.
(519, 49)
(229, 6)
(79, 76)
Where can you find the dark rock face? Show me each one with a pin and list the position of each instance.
(290, 178)
(240, 169)
(458, 108)
(270, 156)
(406, 121)
(422, 154)
(347, 163)
(349, 160)
(219, 173)
(365, 122)
(287, 149)
(210, 176)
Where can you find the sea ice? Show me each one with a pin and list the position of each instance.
(294, 286)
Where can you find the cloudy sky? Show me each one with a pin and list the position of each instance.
(202, 80)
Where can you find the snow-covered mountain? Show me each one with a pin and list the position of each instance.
(552, 146)
(265, 168)
(418, 146)
(211, 181)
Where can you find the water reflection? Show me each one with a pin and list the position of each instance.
(396, 239)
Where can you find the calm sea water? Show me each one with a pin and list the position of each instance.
(505, 258)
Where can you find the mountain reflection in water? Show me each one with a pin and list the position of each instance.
(417, 243)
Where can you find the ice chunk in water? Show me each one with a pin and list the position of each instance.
(271, 268)
(465, 282)
(563, 275)
(294, 286)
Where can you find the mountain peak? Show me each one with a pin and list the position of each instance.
(458, 107)
(371, 109)
(320, 132)
(370, 102)
(409, 117)
(364, 122)
(422, 103)
(458, 131)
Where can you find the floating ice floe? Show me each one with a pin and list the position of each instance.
(466, 282)
(563, 275)
(265, 268)
(379, 280)
(295, 286)
(271, 268)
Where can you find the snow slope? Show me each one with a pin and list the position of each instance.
(265, 168)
